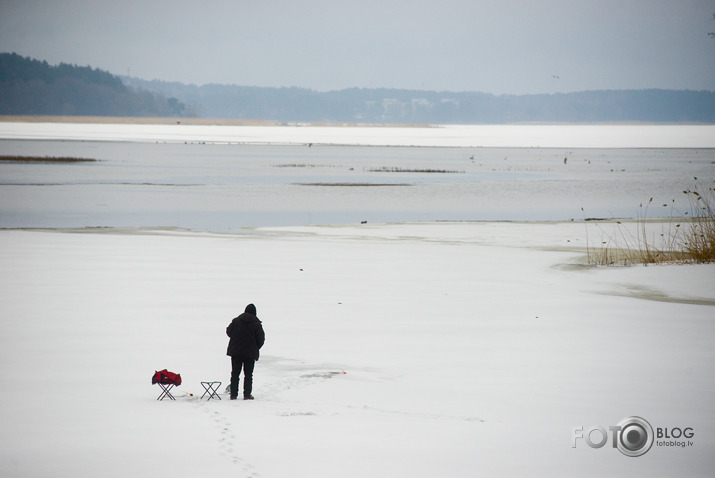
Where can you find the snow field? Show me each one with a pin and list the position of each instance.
(445, 349)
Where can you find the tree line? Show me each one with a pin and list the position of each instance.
(380, 105)
(33, 87)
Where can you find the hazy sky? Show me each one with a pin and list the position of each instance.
(495, 46)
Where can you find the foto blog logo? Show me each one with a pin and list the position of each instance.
(633, 436)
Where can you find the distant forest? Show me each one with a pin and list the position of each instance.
(32, 87)
(359, 105)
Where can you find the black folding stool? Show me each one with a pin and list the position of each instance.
(166, 391)
(211, 388)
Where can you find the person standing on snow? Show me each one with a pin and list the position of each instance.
(247, 338)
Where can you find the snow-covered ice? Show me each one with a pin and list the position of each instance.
(488, 136)
(392, 350)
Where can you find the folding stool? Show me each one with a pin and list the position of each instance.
(166, 391)
(211, 388)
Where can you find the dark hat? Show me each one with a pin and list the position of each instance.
(251, 309)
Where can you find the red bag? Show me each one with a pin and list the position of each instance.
(164, 376)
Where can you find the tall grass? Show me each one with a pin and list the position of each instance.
(684, 237)
(699, 241)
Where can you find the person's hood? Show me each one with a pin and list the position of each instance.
(248, 318)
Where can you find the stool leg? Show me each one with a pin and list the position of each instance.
(166, 391)
(214, 389)
(163, 392)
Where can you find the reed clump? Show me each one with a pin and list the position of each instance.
(684, 237)
(386, 169)
(699, 241)
(44, 159)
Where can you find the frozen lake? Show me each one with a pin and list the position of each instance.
(416, 349)
(197, 178)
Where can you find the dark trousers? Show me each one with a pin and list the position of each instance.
(247, 364)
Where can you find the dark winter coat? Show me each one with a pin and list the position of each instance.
(247, 336)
